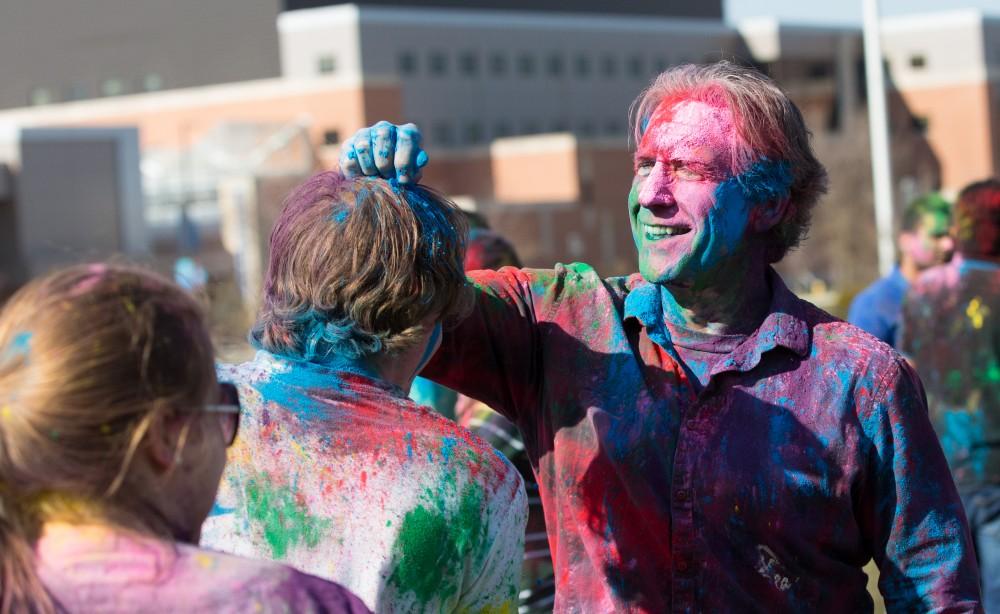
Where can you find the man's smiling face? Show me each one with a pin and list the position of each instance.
(687, 219)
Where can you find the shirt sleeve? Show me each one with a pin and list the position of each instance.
(495, 578)
(494, 354)
(910, 509)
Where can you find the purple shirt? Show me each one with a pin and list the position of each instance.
(807, 453)
(951, 331)
(94, 568)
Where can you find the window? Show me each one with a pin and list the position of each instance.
(554, 65)
(819, 70)
(559, 125)
(407, 63)
(39, 96)
(112, 87)
(331, 137)
(918, 61)
(438, 64)
(526, 65)
(468, 63)
(586, 128)
(326, 64)
(614, 127)
(609, 66)
(152, 82)
(498, 64)
(442, 133)
(635, 67)
(77, 91)
(472, 133)
(530, 126)
(502, 129)
(582, 66)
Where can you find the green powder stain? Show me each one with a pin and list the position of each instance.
(431, 549)
(285, 522)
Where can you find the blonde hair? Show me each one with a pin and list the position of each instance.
(356, 265)
(89, 356)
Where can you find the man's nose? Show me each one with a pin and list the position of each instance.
(656, 187)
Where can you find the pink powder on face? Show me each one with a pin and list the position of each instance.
(685, 153)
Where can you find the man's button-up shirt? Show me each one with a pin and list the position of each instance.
(807, 453)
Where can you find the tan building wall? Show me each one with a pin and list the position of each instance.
(177, 119)
(961, 127)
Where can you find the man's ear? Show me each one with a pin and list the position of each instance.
(765, 216)
(162, 441)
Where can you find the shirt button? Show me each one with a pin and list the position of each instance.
(682, 495)
(682, 565)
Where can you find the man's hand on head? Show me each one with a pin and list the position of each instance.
(384, 150)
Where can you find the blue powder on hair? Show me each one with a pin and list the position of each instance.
(324, 338)
(341, 215)
(765, 181)
(20, 345)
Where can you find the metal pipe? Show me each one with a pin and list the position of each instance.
(878, 127)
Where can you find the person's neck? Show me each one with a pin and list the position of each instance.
(734, 302)
(400, 369)
(909, 269)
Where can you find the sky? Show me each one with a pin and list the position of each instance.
(844, 11)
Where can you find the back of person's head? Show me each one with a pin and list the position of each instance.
(915, 214)
(977, 220)
(89, 357)
(772, 154)
(489, 250)
(356, 265)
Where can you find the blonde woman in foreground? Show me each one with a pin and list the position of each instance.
(113, 436)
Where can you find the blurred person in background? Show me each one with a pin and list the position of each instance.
(113, 435)
(924, 241)
(703, 439)
(335, 470)
(951, 332)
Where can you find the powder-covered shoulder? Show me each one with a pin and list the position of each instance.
(448, 445)
(236, 584)
(934, 280)
(846, 348)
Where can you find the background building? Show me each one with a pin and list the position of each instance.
(55, 51)
(525, 113)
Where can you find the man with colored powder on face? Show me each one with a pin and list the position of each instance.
(335, 470)
(951, 332)
(924, 241)
(703, 439)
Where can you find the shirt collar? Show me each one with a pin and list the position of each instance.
(784, 326)
(335, 375)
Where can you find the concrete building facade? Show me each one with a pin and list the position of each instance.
(56, 51)
(471, 76)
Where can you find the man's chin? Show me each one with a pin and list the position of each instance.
(667, 276)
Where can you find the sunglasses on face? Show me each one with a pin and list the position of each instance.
(227, 410)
